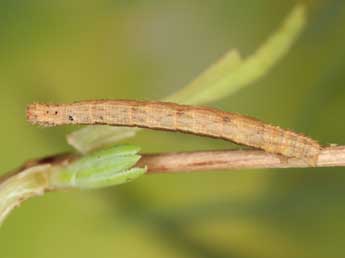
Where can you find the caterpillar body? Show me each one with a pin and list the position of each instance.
(205, 121)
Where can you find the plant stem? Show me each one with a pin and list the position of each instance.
(233, 159)
(33, 178)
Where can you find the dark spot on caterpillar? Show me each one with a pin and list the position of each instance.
(70, 118)
(101, 117)
(56, 112)
(226, 119)
(180, 112)
(47, 112)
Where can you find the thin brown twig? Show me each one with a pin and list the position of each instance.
(31, 179)
(234, 159)
(181, 162)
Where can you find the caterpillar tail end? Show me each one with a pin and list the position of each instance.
(312, 156)
(312, 161)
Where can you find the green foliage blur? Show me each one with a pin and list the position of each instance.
(63, 51)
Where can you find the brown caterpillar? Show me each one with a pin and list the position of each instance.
(173, 117)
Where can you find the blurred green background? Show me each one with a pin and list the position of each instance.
(62, 51)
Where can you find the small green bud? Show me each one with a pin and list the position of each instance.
(102, 168)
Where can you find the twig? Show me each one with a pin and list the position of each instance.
(32, 179)
(234, 159)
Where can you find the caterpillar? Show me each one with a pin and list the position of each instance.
(204, 121)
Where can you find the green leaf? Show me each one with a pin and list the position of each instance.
(94, 137)
(231, 74)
